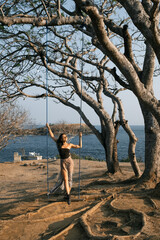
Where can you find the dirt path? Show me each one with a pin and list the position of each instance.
(105, 209)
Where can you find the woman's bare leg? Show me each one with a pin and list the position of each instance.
(65, 178)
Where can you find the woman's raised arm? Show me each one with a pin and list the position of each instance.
(80, 142)
(51, 133)
(80, 139)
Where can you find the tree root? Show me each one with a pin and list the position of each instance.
(126, 228)
(97, 213)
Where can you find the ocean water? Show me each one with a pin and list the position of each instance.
(45, 146)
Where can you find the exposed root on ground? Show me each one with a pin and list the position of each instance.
(111, 223)
(113, 213)
(108, 208)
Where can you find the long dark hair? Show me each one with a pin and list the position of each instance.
(59, 141)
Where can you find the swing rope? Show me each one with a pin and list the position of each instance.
(47, 143)
(47, 112)
(82, 65)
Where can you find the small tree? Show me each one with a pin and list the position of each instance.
(12, 120)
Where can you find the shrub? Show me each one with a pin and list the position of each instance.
(127, 159)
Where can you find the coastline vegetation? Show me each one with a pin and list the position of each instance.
(127, 160)
(70, 129)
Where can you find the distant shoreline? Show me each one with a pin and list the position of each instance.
(71, 129)
(91, 145)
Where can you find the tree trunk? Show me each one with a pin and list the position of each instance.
(110, 164)
(126, 127)
(132, 148)
(115, 152)
(152, 147)
(108, 133)
(109, 147)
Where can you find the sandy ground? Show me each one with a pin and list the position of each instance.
(105, 209)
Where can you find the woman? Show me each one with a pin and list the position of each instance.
(67, 163)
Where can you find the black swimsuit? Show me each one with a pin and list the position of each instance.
(64, 153)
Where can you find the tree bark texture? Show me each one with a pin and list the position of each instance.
(109, 147)
(132, 148)
(152, 146)
(115, 152)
